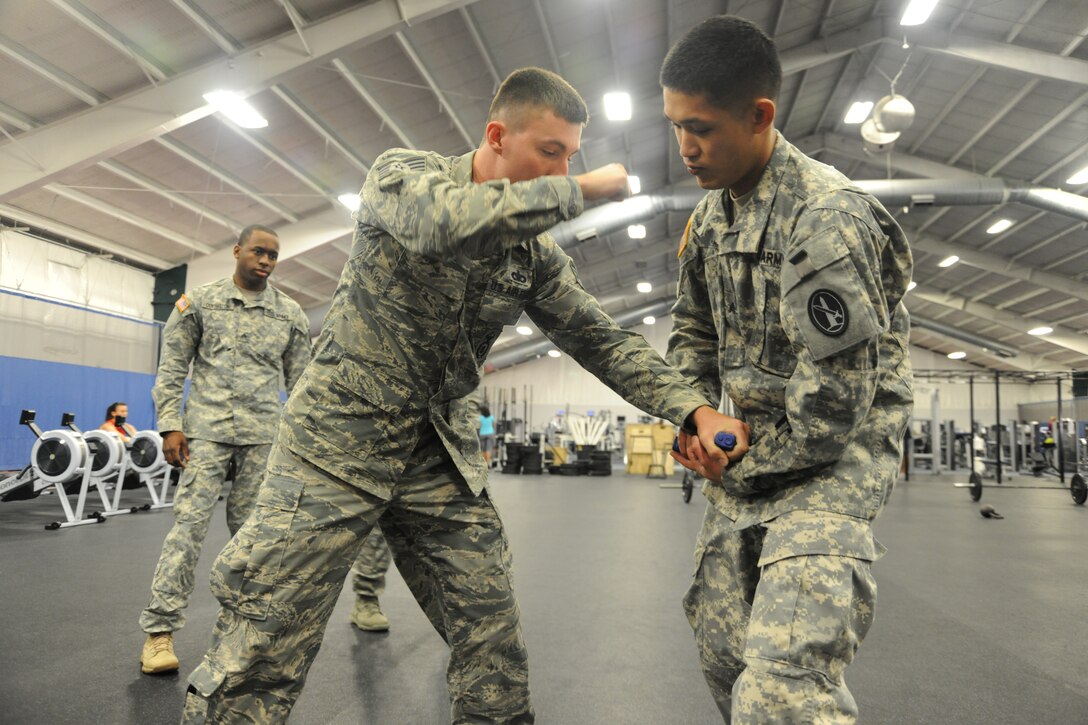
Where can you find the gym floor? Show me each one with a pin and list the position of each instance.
(979, 620)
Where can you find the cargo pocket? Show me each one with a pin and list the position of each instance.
(811, 612)
(271, 531)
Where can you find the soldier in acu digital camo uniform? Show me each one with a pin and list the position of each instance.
(241, 336)
(446, 252)
(790, 295)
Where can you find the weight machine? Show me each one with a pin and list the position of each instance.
(59, 457)
(147, 459)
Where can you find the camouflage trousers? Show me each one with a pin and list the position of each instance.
(194, 501)
(776, 631)
(279, 579)
(371, 566)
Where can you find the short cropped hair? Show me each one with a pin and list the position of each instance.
(113, 407)
(536, 88)
(727, 60)
(248, 232)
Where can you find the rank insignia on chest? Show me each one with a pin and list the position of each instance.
(828, 313)
(182, 304)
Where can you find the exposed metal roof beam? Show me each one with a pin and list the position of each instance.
(50, 72)
(1047, 66)
(128, 121)
(26, 122)
(547, 36)
(16, 118)
(125, 216)
(1001, 265)
(174, 198)
(906, 163)
(320, 127)
(206, 23)
(421, 67)
(836, 45)
(289, 166)
(366, 95)
(83, 237)
(314, 266)
(226, 177)
(107, 33)
(485, 52)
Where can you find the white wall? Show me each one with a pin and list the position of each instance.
(557, 383)
(61, 305)
(562, 384)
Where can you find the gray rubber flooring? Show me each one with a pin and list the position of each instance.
(979, 621)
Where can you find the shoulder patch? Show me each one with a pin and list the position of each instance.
(684, 239)
(183, 303)
(828, 312)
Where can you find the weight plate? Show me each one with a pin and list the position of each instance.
(976, 486)
(1079, 489)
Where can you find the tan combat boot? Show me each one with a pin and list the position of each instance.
(367, 616)
(158, 654)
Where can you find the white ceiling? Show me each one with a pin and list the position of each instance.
(108, 142)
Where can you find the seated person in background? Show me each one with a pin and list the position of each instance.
(116, 417)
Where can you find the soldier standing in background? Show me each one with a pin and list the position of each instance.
(446, 252)
(240, 336)
(368, 582)
(790, 294)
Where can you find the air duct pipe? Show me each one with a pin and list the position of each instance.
(988, 345)
(522, 351)
(612, 217)
(980, 191)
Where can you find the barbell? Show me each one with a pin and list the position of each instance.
(1078, 489)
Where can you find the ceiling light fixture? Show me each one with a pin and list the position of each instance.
(999, 226)
(554, 353)
(351, 201)
(644, 287)
(948, 261)
(236, 108)
(636, 231)
(1042, 330)
(649, 320)
(634, 185)
(617, 106)
(912, 285)
(917, 12)
(858, 112)
(958, 355)
(1078, 178)
(523, 330)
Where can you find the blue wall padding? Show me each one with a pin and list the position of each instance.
(52, 388)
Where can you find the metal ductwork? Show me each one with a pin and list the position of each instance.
(612, 217)
(523, 351)
(978, 191)
(990, 346)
